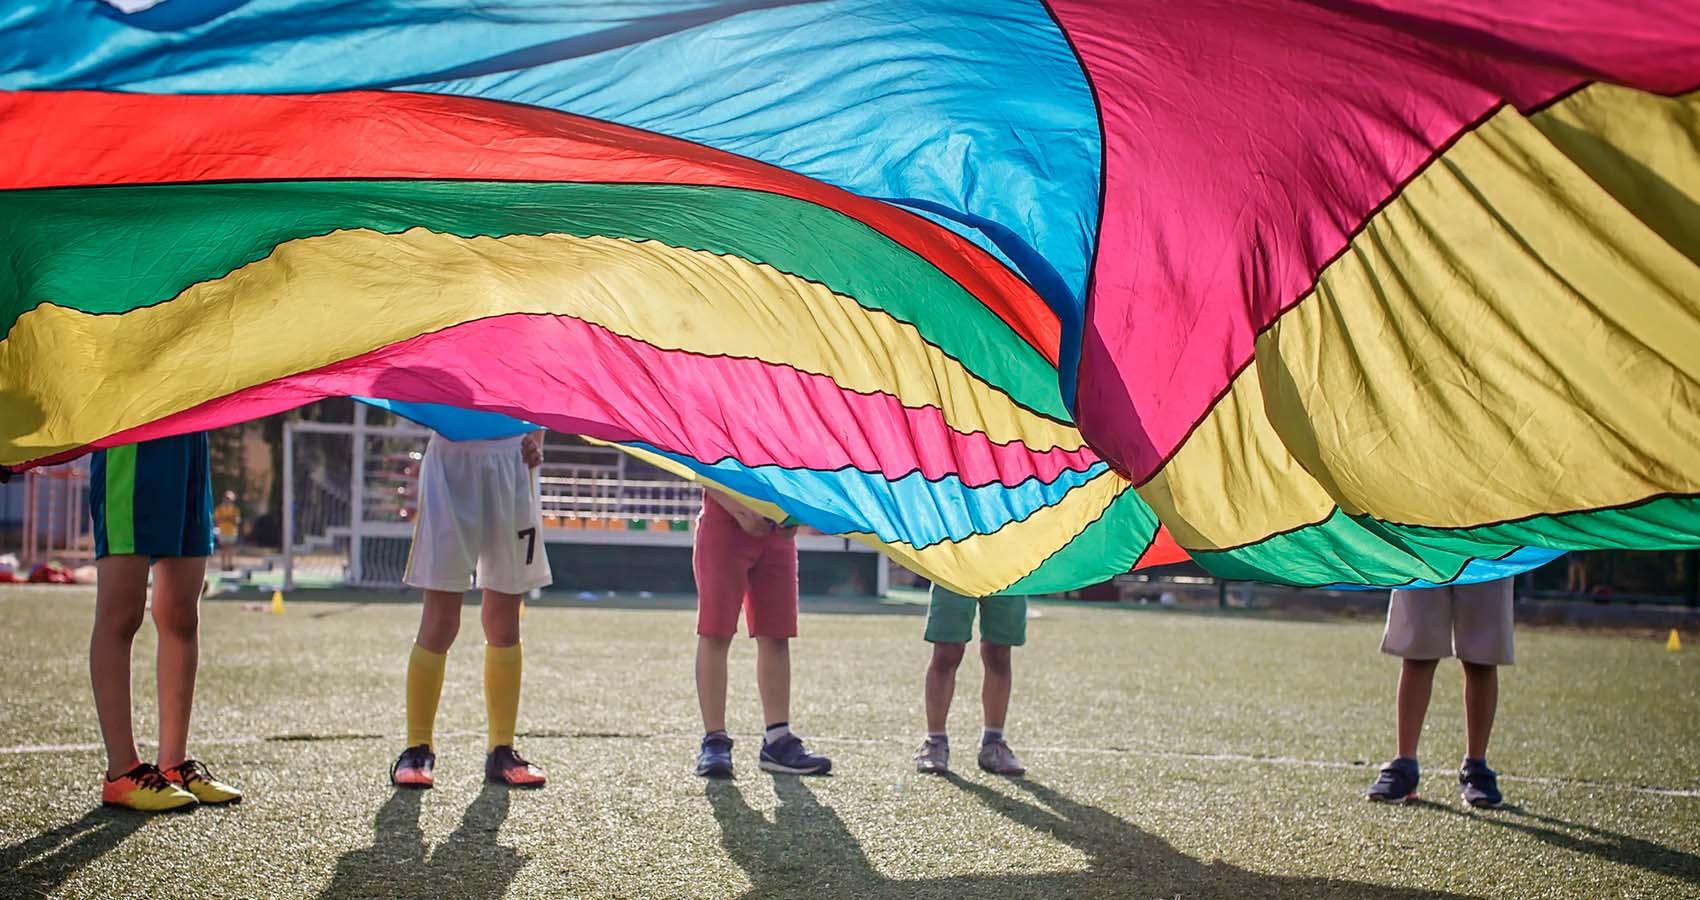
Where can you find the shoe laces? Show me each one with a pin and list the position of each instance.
(510, 757)
(149, 777)
(191, 770)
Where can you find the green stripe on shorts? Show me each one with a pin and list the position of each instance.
(121, 500)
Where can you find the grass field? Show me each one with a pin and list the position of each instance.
(1172, 754)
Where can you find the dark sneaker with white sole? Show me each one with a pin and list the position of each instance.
(1480, 784)
(504, 766)
(787, 756)
(1398, 782)
(414, 768)
(714, 759)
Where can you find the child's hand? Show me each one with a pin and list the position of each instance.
(531, 450)
(752, 522)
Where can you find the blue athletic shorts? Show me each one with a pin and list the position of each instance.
(153, 499)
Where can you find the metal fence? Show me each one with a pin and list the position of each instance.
(590, 494)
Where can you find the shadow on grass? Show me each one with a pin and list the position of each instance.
(1621, 849)
(807, 851)
(470, 863)
(39, 865)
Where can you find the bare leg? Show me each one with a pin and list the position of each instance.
(941, 684)
(120, 602)
(177, 618)
(1481, 701)
(711, 680)
(1416, 684)
(995, 689)
(500, 615)
(773, 679)
(440, 621)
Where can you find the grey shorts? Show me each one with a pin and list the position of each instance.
(1470, 621)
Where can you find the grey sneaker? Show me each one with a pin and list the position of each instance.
(933, 757)
(998, 759)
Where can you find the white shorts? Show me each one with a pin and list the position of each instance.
(478, 516)
(1471, 621)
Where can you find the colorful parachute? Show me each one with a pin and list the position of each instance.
(1368, 292)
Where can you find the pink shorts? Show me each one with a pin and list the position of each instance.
(735, 569)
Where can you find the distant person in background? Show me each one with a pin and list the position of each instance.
(1474, 623)
(1575, 574)
(152, 509)
(744, 561)
(950, 626)
(227, 520)
(479, 524)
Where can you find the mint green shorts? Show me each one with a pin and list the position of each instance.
(950, 618)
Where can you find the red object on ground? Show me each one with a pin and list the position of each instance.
(51, 573)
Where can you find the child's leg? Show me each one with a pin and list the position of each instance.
(1419, 632)
(773, 679)
(177, 618)
(996, 685)
(721, 559)
(438, 625)
(499, 613)
(1481, 701)
(1416, 685)
(941, 684)
(950, 626)
(770, 610)
(120, 603)
(503, 665)
(1003, 626)
(712, 651)
(1484, 619)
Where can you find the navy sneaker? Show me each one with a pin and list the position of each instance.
(714, 760)
(1398, 782)
(787, 756)
(1480, 784)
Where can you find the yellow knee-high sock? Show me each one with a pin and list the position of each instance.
(502, 667)
(424, 689)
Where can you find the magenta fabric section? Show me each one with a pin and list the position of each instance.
(1246, 141)
(760, 413)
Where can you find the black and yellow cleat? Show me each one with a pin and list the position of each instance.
(192, 776)
(145, 789)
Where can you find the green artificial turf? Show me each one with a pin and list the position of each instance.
(1171, 754)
